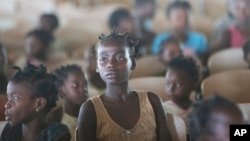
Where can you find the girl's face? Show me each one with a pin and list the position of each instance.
(75, 90)
(34, 47)
(114, 62)
(178, 85)
(178, 19)
(20, 107)
(170, 51)
(220, 122)
(242, 11)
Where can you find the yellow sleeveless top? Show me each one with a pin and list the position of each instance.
(109, 130)
(71, 123)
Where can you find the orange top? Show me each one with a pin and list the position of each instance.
(109, 130)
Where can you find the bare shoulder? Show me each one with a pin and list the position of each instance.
(154, 98)
(87, 108)
(87, 122)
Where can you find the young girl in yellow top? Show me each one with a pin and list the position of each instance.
(120, 114)
(182, 78)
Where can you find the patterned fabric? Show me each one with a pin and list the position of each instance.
(108, 130)
(52, 132)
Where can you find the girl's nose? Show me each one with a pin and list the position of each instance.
(7, 104)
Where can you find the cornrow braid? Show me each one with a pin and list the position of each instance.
(41, 83)
(124, 39)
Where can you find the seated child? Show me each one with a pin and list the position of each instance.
(32, 93)
(246, 52)
(194, 43)
(120, 114)
(182, 78)
(209, 119)
(37, 46)
(50, 23)
(237, 34)
(170, 48)
(73, 88)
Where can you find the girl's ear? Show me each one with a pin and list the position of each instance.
(133, 63)
(40, 103)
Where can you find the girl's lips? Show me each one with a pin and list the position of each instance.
(113, 74)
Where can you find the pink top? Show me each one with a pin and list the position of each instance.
(237, 39)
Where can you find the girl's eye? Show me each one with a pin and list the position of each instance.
(15, 97)
(121, 59)
(103, 59)
(75, 85)
(177, 85)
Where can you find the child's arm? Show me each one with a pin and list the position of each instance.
(86, 123)
(162, 130)
(222, 42)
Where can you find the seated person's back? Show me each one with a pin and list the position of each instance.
(237, 34)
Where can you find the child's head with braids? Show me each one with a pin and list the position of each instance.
(115, 56)
(72, 86)
(31, 93)
(210, 119)
(181, 79)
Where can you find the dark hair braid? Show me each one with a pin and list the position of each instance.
(41, 83)
(124, 39)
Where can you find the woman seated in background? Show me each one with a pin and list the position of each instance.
(31, 95)
(237, 34)
(223, 23)
(182, 78)
(37, 46)
(73, 88)
(194, 43)
(121, 114)
(209, 120)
